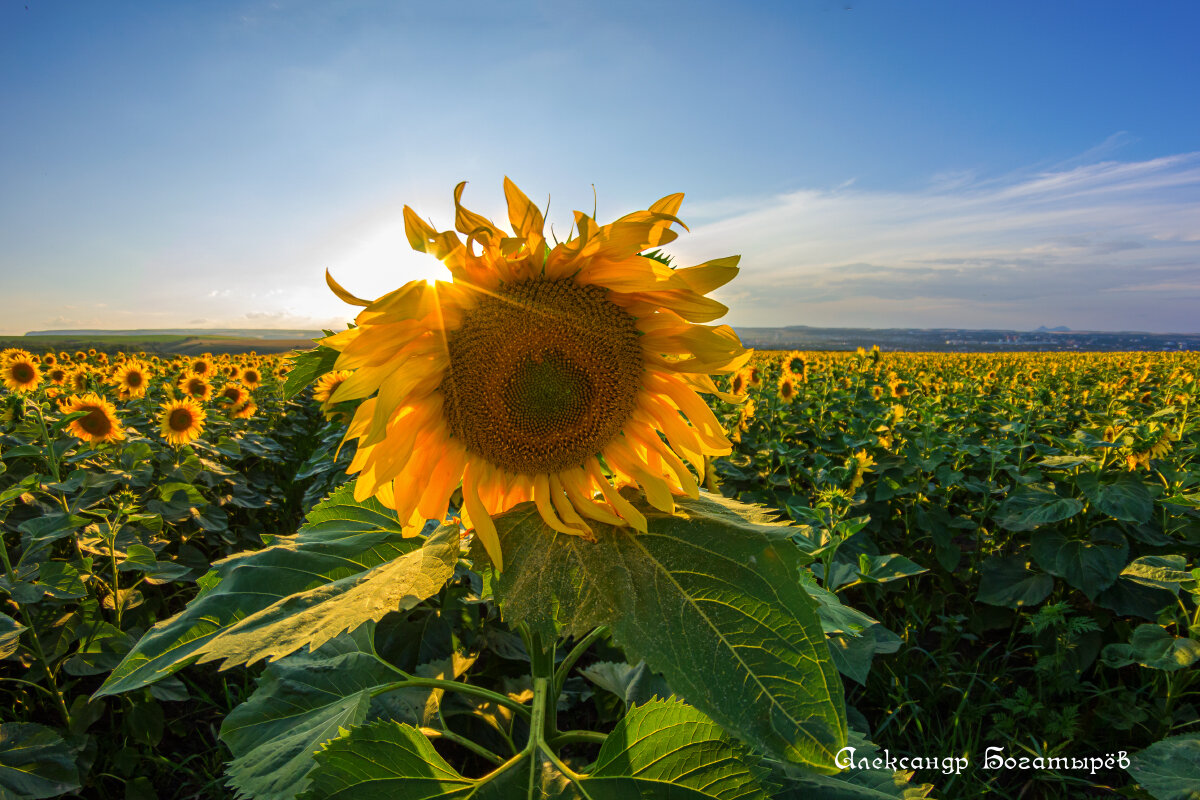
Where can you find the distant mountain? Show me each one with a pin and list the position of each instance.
(1056, 329)
(240, 333)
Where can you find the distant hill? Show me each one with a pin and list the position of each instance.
(1058, 329)
(205, 333)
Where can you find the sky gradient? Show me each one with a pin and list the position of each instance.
(876, 164)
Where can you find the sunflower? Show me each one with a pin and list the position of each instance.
(245, 410)
(196, 386)
(79, 379)
(787, 388)
(100, 423)
(328, 383)
(49, 360)
(132, 378)
(251, 377)
(795, 364)
(538, 374)
(58, 375)
(739, 383)
(12, 353)
(181, 421)
(233, 394)
(21, 374)
(202, 366)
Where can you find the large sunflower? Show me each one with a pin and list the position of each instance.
(99, 424)
(540, 374)
(181, 421)
(21, 373)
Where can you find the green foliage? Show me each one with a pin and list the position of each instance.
(1170, 769)
(715, 578)
(306, 367)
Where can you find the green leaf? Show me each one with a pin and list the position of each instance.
(10, 635)
(388, 761)
(35, 762)
(313, 617)
(1155, 647)
(1169, 769)
(301, 702)
(1132, 598)
(882, 569)
(1090, 566)
(709, 597)
(341, 539)
(635, 684)
(1123, 497)
(307, 366)
(669, 742)
(856, 782)
(1159, 572)
(1006, 581)
(1036, 505)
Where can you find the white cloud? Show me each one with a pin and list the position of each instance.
(1109, 245)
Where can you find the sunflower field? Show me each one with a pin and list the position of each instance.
(540, 532)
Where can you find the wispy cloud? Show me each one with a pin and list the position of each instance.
(1108, 245)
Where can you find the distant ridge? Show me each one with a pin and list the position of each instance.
(204, 333)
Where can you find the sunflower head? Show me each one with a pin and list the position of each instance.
(99, 422)
(21, 374)
(556, 375)
(233, 394)
(251, 377)
(245, 410)
(132, 379)
(181, 421)
(787, 389)
(328, 383)
(196, 386)
(202, 366)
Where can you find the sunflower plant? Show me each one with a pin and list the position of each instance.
(525, 530)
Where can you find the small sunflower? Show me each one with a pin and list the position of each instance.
(58, 375)
(202, 366)
(233, 394)
(251, 378)
(21, 374)
(181, 421)
(787, 388)
(79, 379)
(100, 423)
(132, 378)
(328, 384)
(538, 373)
(49, 360)
(795, 364)
(245, 410)
(196, 387)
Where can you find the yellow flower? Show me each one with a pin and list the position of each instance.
(233, 394)
(251, 377)
(202, 366)
(132, 378)
(21, 374)
(100, 423)
(531, 366)
(328, 383)
(181, 421)
(245, 410)
(196, 386)
(787, 389)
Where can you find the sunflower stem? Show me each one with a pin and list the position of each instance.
(51, 457)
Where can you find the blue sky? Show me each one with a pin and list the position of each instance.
(877, 164)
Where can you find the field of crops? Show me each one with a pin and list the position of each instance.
(1001, 551)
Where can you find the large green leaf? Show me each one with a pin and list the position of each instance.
(1033, 506)
(300, 702)
(1123, 497)
(388, 761)
(1170, 769)
(669, 742)
(1155, 647)
(35, 762)
(1090, 566)
(664, 750)
(313, 617)
(710, 597)
(341, 539)
(1006, 581)
(10, 635)
(307, 366)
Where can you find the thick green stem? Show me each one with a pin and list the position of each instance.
(51, 456)
(452, 686)
(560, 677)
